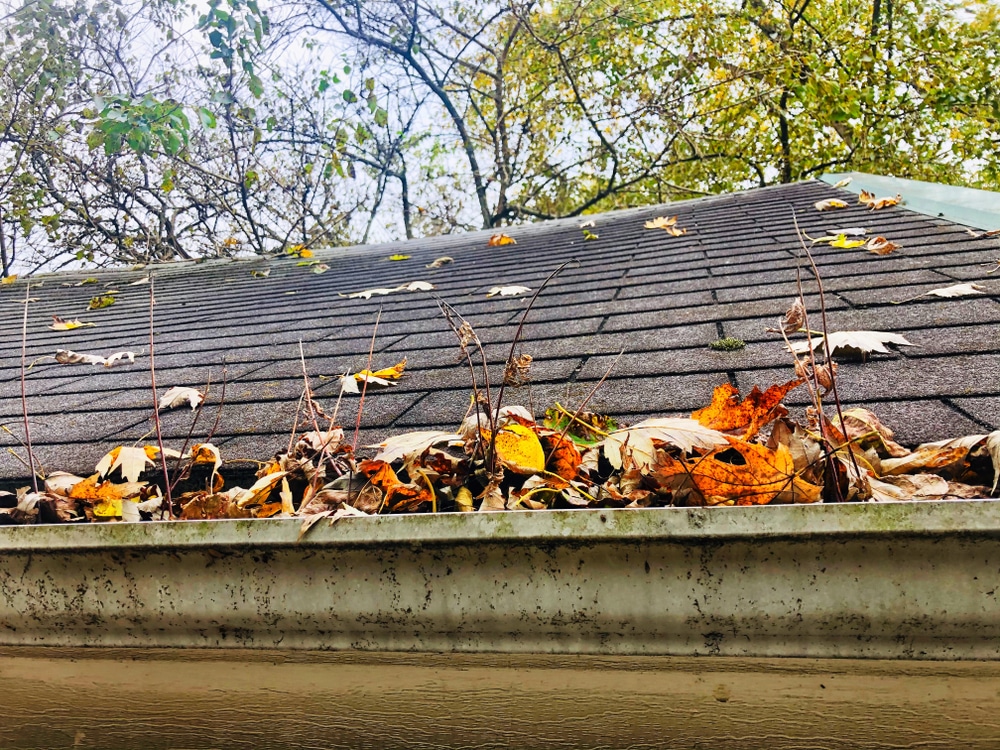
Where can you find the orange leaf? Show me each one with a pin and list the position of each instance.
(498, 240)
(729, 414)
(743, 474)
(564, 458)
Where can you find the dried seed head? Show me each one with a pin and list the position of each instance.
(795, 318)
(517, 372)
(466, 335)
(825, 375)
(801, 370)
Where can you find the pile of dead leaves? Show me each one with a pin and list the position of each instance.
(735, 451)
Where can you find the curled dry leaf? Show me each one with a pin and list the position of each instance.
(498, 240)
(413, 286)
(389, 373)
(59, 324)
(440, 262)
(853, 343)
(67, 357)
(101, 300)
(875, 204)
(880, 246)
(957, 290)
(795, 318)
(507, 291)
(518, 370)
(636, 442)
(178, 395)
(830, 203)
(410, 443)
(844, 182)
(865, 430)
(260, 274)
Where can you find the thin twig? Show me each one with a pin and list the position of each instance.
(364, 388)
(510, 358)
(156, 403)
(24, 389)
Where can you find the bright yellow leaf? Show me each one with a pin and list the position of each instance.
(845, 243)
(389, 373)
(9, 279)
(58, 324)
(519, 449)
(399, 256)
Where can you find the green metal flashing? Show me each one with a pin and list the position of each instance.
(962, 205)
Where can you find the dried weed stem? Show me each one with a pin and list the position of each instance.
(24, 388)
(156, 402)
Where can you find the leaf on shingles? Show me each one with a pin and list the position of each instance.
(66, 357)
(319, 268)
(499, 240)
(875, 204)
(854, 343)
(668, 224)
(440, 262)
(507, 291)
(101, 301)
(389, 373)
(957, 290)
(841, 241)
(178, 395)
(8, 280)
(742, 474)
(410, 443)
(140, 281)
(59, 324)
(519, 449)
(830, 203)
(728, 413)
(400, 256)
(131, 460)
(413, 286)
(260, 274)
(880, 246)
(844, 182)
(588, 235)
(636, 442)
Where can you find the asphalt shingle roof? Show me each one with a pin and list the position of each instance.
(660, 298)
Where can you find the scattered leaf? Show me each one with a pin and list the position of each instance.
(101, 301)
(417, 286)
(389, 373)
(179, 394)
(880, 246)
(397, 447)
(67, 357)
(842, 242)
(498, 240)
(260, 274)
(588, 224)
(400, 256)
(829, 203)
(413, 286)
(59, 324)
(844, 182)
(588, 235)
(137, 282)
(6, 280)
(875, 204)
(507, 291)
(440, 262)
(661, 222)
(956, 290)
(854, 343)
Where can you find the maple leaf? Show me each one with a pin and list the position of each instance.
(178, 395)
(59, 324)
(854, 343)
(842, 242)
(880, 246)
(498, 240)
(727, 413)
(829, 203)
(130, 460)
(755, 475)
(507, 291)
(636, 442)
(440, 262)
(661, 222)
(67, 357)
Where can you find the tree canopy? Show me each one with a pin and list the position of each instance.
(140, 130)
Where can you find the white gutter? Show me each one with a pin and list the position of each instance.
(890, 581)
